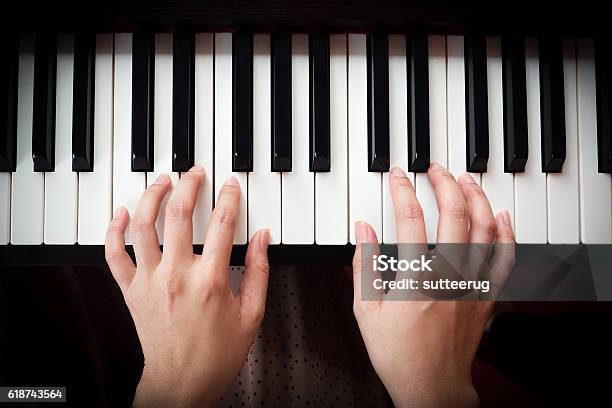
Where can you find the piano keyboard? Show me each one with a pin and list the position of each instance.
(309, 124)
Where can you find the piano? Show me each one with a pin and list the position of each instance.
(308, 105)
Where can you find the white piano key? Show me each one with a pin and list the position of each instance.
(204, 83)
(298, 195)
(5, 208)
(128, 186)
(61, 186)
(223, 130)
(365, 188)
(497, 185)
(27, 203)
(437, 132)
(95, 188)
(562, 188)
(331, 189)
(398, 129)
(162, 122)
(530, 187)
(595, 188)
(455, 96)
(264, 185)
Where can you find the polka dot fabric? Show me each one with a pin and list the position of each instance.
(309, 351)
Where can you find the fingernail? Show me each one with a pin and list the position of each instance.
(118, 212)
(467, 178)
(264, 238)
(361, 232)
(231, 181)
(506, 217)
(161, 179)
(398, 172)
(196, 169)
(435, 166)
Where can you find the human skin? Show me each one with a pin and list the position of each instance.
(195, 333)
(423, 349)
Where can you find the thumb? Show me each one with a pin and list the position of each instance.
(367, 246)
(254, 285)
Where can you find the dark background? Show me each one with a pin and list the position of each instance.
(69, 327)
(528, 16)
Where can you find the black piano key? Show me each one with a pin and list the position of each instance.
(377, 44)
(242, 106)
(552, 104)
(8, 103)
(43, 120)
(417, 52)
(603, 65)
(320, 160)
(515, 104)
(476, 103)
(83, 102)
(281, 101)
(143, 72)
(183, 99)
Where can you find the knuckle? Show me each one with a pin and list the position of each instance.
(486, 225)
(154, 192)
(490, 229)
(410, 212)
(224, 216)
(261, 267)
(475, 190)
(256, 313)
(179, 209)
(173, 286)
(111, 256)
(401, 181)
(457, 210)
(140, 225)
(212, 286)
(443, 173)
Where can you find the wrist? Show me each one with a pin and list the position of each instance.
(157, 391)
(436, 395)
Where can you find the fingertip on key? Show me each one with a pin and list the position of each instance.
(364, 233)
(231, 181)
(436, 166)
(505, 216)
(119, 213)
(196, 169)
(398, 172)
(467, 178)
(161, 179)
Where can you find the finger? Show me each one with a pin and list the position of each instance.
(220, 235)
(482, 223)
(504, 258)
(118, 260)
(367, 246)
(408, 212)
(178, 228)
(142, 228)
(453, 219)
(254, 285)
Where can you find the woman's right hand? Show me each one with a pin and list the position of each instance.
(423, 349)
